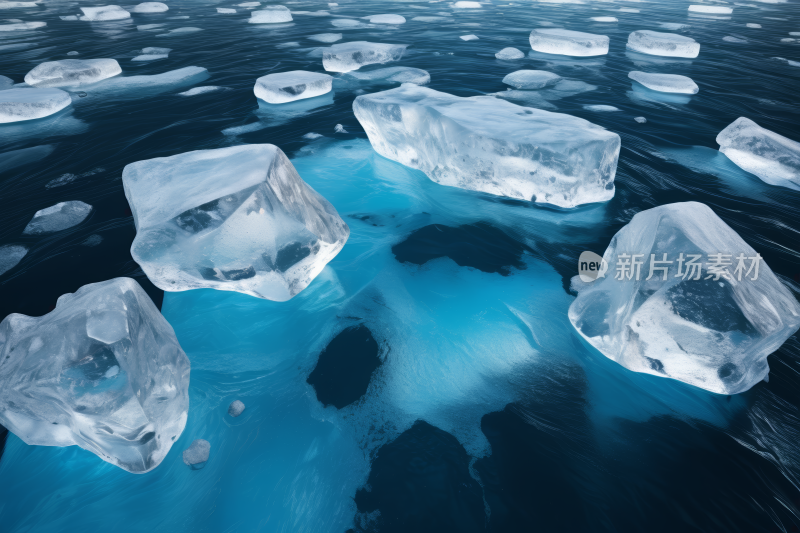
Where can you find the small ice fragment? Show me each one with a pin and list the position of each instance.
(6, 83)
(509, 53)
(463, 4)
(600, 108)
(225, 10)
(283, 87)
(270, 15)
(21, 104)
(61, 216)
(566, 42)
(339, 129)
(345, 57)
(152, 53)
(531, 79)
(605, 19)
(469, 37)
(673, 26)
(387, 19)
(714, 10)
(200, 90)
(179, 31)
(10, 256)
(146, 27)
(731, 39)
(311, 135)
(640, 120)
(197, 454)
(665, 83)
(104, 13)
(235, 408)
(753, 25)
(788, 40)
(326, 37)
(663, 44)
(21, 26)
(92, 241)
(150, 7)
(348, 23)
(249, 4)
(628, 10)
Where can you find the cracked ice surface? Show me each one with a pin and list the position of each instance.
(485, 144)
(102, 371)
(237, 219)
(714, 334)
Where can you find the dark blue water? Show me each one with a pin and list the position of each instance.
(484, 411)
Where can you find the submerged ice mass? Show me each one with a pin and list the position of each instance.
(102, 371)
(17, 105)
(485, 144)
(72, 72)
(290, 86)
(667, 83)
(346, 57)
(770, 156)
(567, 42)
(58, 217)
(711, 327)
(663, 44)
(237, 219)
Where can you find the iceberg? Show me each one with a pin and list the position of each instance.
(271, 15)
(485, 144)
(326, 37)
(339, 129)
(72, 72)
(568, 43)
(61, 216)
(290, 86)
(531, 79)
(102, 371)
(21, 26)
(387, 19)
(150, 7)
(665, 83)
(708, 324)
(152, 53)
(10, 256)
(345, 57)
(236, 219)
(663, 44)
(509, 53)
(17, 105)
(770, 156)
(104, 13)
(714, 10)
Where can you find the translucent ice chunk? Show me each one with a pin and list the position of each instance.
(152, 53)
(387, 19)
(103, 13)
(601, 108)
(225, 10)
(605, 19)
(144, 85)
(201, 90)
(391, 75)
(509, 53)
(290, 86)
(236, 408)
(345, 57)
(326, 37)
(58, 217)
(14, 5)
(485, 144)
(640, 120)
(197, 453)
(663, 44)
(238, 219)
(470, 37)
(666, 83)
(21, 26)
(150, 7)
(10, 256)
(714, 10)
(103, 371)
(271, 15)
(339, 129)
(72, 72)
(770, 156)
(683, 323)
(27, 104)
(463, 4)
(531, 79)
(569, 43)
(180, 31)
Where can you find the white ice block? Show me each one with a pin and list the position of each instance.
(104, 13)
(150, 7)
(285, 87)
(663, 44)
(509, 53)
(531, 79)
(569, 43)
(665, 83)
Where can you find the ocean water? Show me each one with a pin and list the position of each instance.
(483, 409)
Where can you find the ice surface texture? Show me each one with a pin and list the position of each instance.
(485, 144)
(150, 7)
(663, 44)
(61, 216)
(72, 72)
(17, 105)
(103, 371)
(665, 83)
(772, 157)
(290, 86)
(391, 75)
(713, 334)
(345, 57)
(568, 43)
(104, 13)
(531, 79)
(271, 15)
(238, 219)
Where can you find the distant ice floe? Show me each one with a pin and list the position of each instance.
(201, 90)
(104, 13)
(753, 25)
(326, 37)
(387, 19)
(225, 10)
(531, 79)
(566, 42)
(271, 15)
(663, 44)
(350, 56)
(713, 10)
(21, 26)
(463, 4)
(10, 256)
(509, 53)
(600, 108)
(470, 37)
(283, 87)
(150, 7)
(72, 72)
(58, 217)
(17, 105)
(152, 53)
(389, 75)
(667, 83)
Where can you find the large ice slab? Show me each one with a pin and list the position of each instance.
(665, 83)
(663, 44)
(531, 79)
(150, 7)
(61, 216)
(285, 87)
(345, 57)
(104, 13)
(238, 219)
(568, 43)
(17, 105)
(485, 144)
(102, 371)
(271, 15)
(770, 156)
(72, 72)
(711, 326)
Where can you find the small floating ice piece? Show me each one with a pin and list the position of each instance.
(640, 120)
(283, 87)
(150, 7)
(10, 256)
(569, 43)
(58, 217)
(196, 455)
(144, 85)
(104, 13)
(17, 105)
(663, 44)
(605, 19)
(14, 5)
(673, 26)
(339, 129)
(463, 4)
(225, 10)
(430, 19)
(200, 90)
(72, 72)
(509, 53)
(770, 156)
(469, 37)
(753, 25)
(326, 37)
(531, 79)
(152, 53)
(311, 135)
(714, 10)
(482, 143)
(21, 26)
(180, 31)
(600, 108)
(345, 57)
(391, 75)
(665, 83)
(387, 19)
(236, 408)
(271, 15)
(73, 53)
